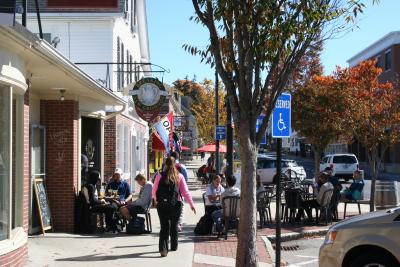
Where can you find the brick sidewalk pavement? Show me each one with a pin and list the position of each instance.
(213, 246)
(210, 248)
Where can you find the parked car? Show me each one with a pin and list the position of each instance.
(266, 168)
(371, 239)
(343, 165)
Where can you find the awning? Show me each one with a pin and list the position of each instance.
(49, 71)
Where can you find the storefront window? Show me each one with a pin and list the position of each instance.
(5, 111)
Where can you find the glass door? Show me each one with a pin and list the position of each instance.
(38, 167)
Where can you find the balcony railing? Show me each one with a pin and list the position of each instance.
(124, 73)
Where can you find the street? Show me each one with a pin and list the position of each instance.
(308, 165)
(302, 252)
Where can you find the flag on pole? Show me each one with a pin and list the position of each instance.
(164, 130)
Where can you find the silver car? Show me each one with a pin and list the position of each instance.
(368, 240)
(266, 168)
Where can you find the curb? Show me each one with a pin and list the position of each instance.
(294, 236)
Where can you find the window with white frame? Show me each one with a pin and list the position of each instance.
(133, 16)
(122, 66)
(118, 65)
(5, 166)
(11, 161)
(133, 155)
(126, 149)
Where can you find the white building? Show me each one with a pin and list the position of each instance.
(111, 39)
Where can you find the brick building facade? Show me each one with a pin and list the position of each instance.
(386, 51)
(41, 136)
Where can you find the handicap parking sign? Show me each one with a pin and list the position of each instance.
(281, 116)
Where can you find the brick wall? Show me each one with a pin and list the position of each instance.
(61, 121)
(16, 258)
(110, 140)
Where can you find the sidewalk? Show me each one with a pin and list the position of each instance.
(60, 249)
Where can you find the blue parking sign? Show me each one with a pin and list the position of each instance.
(281, 116)
(220, 132)
(258, 125)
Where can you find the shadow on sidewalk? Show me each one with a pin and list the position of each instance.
(98, 257)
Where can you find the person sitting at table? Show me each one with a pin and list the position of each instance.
(121, 186)
(231, 191)
(333, 179)
(354, 191)
(213, 194)
(325, 185)
(132, 209)
(100, 205)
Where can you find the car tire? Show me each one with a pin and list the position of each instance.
(374, 259)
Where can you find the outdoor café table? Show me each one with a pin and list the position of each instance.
(308, 190)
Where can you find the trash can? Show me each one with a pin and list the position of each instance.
(386, 194)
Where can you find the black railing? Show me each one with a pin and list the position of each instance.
(127, 75)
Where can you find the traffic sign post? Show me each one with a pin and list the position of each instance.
(220, 132)
(281, 127)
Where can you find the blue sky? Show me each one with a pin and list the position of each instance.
(170, 28)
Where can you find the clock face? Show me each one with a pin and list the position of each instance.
(149, 94)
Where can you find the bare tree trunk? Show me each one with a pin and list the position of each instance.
(246, 254)
(317, 159)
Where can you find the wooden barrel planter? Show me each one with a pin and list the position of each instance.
(386, 195)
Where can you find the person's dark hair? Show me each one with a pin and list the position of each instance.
(175, 155)
(94, 177)
(140, 177)
(231, 180)
(328, 169)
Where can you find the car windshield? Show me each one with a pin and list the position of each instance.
(344, 159)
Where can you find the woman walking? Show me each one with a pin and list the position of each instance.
(168, 188)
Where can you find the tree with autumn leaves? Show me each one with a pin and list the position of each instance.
(374, 116)
(319, 113)
(202, 98)
(351, 102)
(255, 47)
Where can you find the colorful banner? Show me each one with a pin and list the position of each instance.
(164, 130)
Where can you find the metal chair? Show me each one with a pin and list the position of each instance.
(325, 206)
(351, 202)
(292, 204)
(149, 226)
(264, 207)
(334, 203)
(230, 213)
